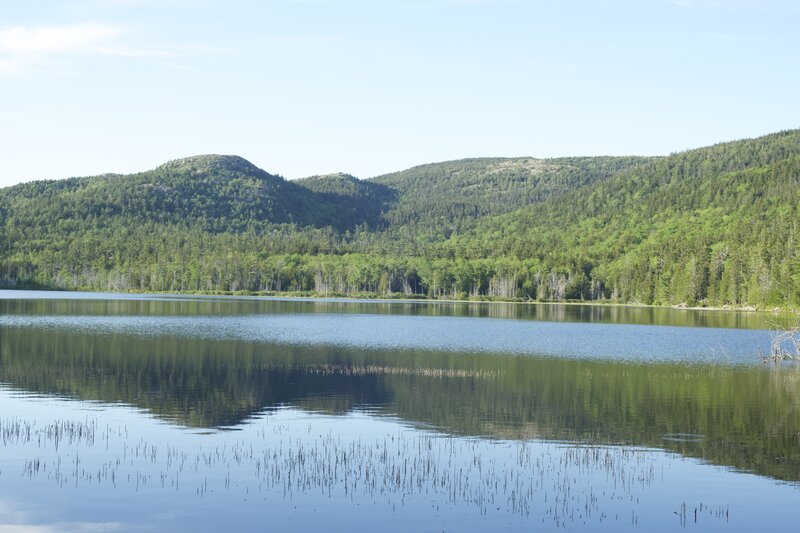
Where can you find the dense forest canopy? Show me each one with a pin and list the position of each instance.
(712, 226)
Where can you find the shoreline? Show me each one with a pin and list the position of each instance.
(399, 297)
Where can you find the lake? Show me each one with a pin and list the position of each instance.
(172, 413)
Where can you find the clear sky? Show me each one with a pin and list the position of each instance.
(371, 86)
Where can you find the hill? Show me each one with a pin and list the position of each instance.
(212, 192)
(717, 225)
(712, 226)
(453, 194)
(347, 200)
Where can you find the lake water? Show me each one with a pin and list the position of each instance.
(132, 413)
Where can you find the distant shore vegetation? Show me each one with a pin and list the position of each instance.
(713, 227)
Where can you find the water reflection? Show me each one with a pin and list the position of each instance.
(101, 304)
(296, 470)
(747, 417)
(205, 414)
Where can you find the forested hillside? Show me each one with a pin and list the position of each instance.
(447, 197)
(713, 226)
(717, 225)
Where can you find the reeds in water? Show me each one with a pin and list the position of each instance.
(558, 483)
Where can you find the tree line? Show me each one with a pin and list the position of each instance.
(714, 226)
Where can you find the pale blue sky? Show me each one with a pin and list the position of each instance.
(367, 87)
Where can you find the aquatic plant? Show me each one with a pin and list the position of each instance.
(784, 346)
(558, 483)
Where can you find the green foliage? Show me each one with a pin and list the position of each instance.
(343, 201)
(443, 198)
(713, 226)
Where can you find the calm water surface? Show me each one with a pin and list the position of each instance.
(197, 414)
